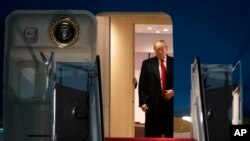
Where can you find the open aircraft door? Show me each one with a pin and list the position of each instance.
(52, 88)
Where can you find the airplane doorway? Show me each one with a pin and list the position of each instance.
(119, 60)
(145, 36)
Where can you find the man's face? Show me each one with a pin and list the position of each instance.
(160, 50)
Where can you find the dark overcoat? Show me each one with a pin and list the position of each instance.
(159, 116)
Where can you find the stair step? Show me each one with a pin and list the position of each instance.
(149, 139)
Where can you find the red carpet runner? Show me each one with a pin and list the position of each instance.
(149, 139)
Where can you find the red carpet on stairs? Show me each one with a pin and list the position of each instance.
(149, 139)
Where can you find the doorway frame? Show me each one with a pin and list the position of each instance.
(121, 96)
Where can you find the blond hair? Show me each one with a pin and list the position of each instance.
(160, 43)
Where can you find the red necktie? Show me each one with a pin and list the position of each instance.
(163, 76)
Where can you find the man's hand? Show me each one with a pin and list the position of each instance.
(168, 94)
(144, 107)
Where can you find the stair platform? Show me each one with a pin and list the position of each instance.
(148, 139)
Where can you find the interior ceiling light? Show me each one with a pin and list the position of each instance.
(157, 31)
(165, 29)
(149, 28)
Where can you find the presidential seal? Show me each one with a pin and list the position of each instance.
(64, 31)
